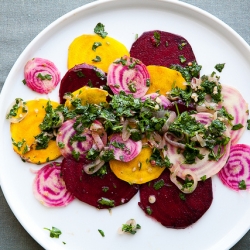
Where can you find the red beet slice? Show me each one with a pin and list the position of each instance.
(169, 208)
(79, 76)
(93, 189)
(165, 52)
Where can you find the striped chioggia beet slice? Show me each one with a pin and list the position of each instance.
(235, 105)
(203, 167)
(236, 173)
(129, 75)
(41, 75)
(49, 188)
(79, 76)
(162, 48)
(73, 148)
(163, 201)
(124, 150)
(104, 191)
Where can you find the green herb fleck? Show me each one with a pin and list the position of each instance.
(76, 155)
(237, 126)
(24, 82)
(45, 77)
(182, 59)
(61, 145)
(182, 196)
(80, 74)
(99, 30)
(105, 189)
(159, 184)
(219, 66)
(54, 232)
(182, 45)
(149, 210)
(157, 39)
(101, 232)
(248, 124)
(242, 185)
(97, 59)
(96, 45)
(106, 202)
(203, 178)
(130, 228)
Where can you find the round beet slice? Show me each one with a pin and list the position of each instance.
(79, 76)
(105, 191)
(162, 48)
(172, 208)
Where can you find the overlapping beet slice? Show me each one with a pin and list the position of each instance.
(172, 208)
(162, 48)
(106, 191)
(79, 76)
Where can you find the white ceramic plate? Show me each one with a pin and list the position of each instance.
(228, 218)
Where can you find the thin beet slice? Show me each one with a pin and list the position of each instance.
(95, 190)
(163, 50)
(170, 208)
(79, 76)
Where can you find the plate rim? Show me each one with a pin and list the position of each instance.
(83, 8)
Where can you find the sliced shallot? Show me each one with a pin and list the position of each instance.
(183, 175)
(49, 187)
(93, 167)
(161, 99)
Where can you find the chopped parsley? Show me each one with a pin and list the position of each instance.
(61, 145)
(182, 59)
(101, 232)
(97, 59)
(54, 232)
(182, 45)
(237, 126)
(80, 74)
(14, 110)
(159, 184)
(242, 185)
(96, 45)
(106, 202)
(158, 160)
(156, 39)
(219, 66)
(42, 140)
(203, 178)
(182, 196)
(99, 30)
(92, 154)
(76, 155)
(149, 210)
(44, 77)
(248, 124)
(189, 71)
(105, 189)
(130, 228)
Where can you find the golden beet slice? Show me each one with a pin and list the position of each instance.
(42, 155)
(81, 50)
(23, 133)
(88, 96)
(162, 79)
(137, 171)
